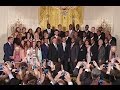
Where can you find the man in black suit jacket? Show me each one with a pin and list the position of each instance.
(94, 50)
(68, 39)
(93, 36)
(64, 53)
(73, 54)
(45, 49)
(112, 40)
(61, 32)
(49, 31)
(107, 49)
(80, 33)
(87, 31)
(8, 50)
(100, 35)
(82, 51)
(53, 50)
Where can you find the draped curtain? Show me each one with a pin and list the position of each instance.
(55, 16)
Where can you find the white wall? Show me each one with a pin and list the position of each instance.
(94, 15)
(28, 15)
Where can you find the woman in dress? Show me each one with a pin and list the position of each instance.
(38, 50)
(17, 53)
(88, 57)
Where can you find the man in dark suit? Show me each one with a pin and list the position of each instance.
(94, 50)
(64, 53)
(79, 31)
(8, 50)
(100, 35)
(112, 40)
(101, 52)
(61, 32)
(71, 31)
(45, 49)
(49, 31)
(82, 51)
(53, 50)
(93, 36)
(73, 54)
(107, 49)
(68, 39)
(87, 31)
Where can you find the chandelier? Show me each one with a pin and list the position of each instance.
(64, 9)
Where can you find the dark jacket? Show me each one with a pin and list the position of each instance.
(53, 53)
(82, 53)
(45, 51)
(94, 52)
(8, 51)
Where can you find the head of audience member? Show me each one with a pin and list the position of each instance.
(84, 34)
(45, 40)
(38, 44)
(109, 37)
(48, 26)
(106, 41)
(53, 28)
(86, 27)
(38, 30)
(54, 40)
(22, 44)
(66, 33)
(100, 29)
(107, 33)
(113, 49)
(72, 40)
(28, 35)
(77, 27)
(60, 27)
(95, 74)
(34, 44)
(91, 34)
(81, 42)
(63, 40)
(18, 29)
(56, 32)
(36, 36)
(93, 29)
(70, 27)
(98, 32)
(92, 41)
(30, 31)
(87, 42)
(100, 42)
(16, 34)
(75, 34)
(45, 35)
(10, 40)
(23, 30)
(28, 44)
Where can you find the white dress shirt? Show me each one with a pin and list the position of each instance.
(64, 45)
(55, 46)
(49, 31)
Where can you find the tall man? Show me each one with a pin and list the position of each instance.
(49, 31)
(64, 53)
(8, 50)
(53, 50)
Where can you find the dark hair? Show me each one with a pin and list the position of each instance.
(37, 29)
(9, 37)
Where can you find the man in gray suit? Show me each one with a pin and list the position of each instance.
(101, 52)
(73, 54)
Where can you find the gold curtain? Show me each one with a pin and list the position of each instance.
(55, 17)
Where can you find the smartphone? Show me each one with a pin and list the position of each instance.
(106, 65)
(1, 67)
(34, 67)
(17, 70)
(62, 75)
(91, 62)
(49, 63)
(46, 71)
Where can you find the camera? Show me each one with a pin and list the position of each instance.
(34, 67)
(46, 70)
(62, 75)
(1, 67)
